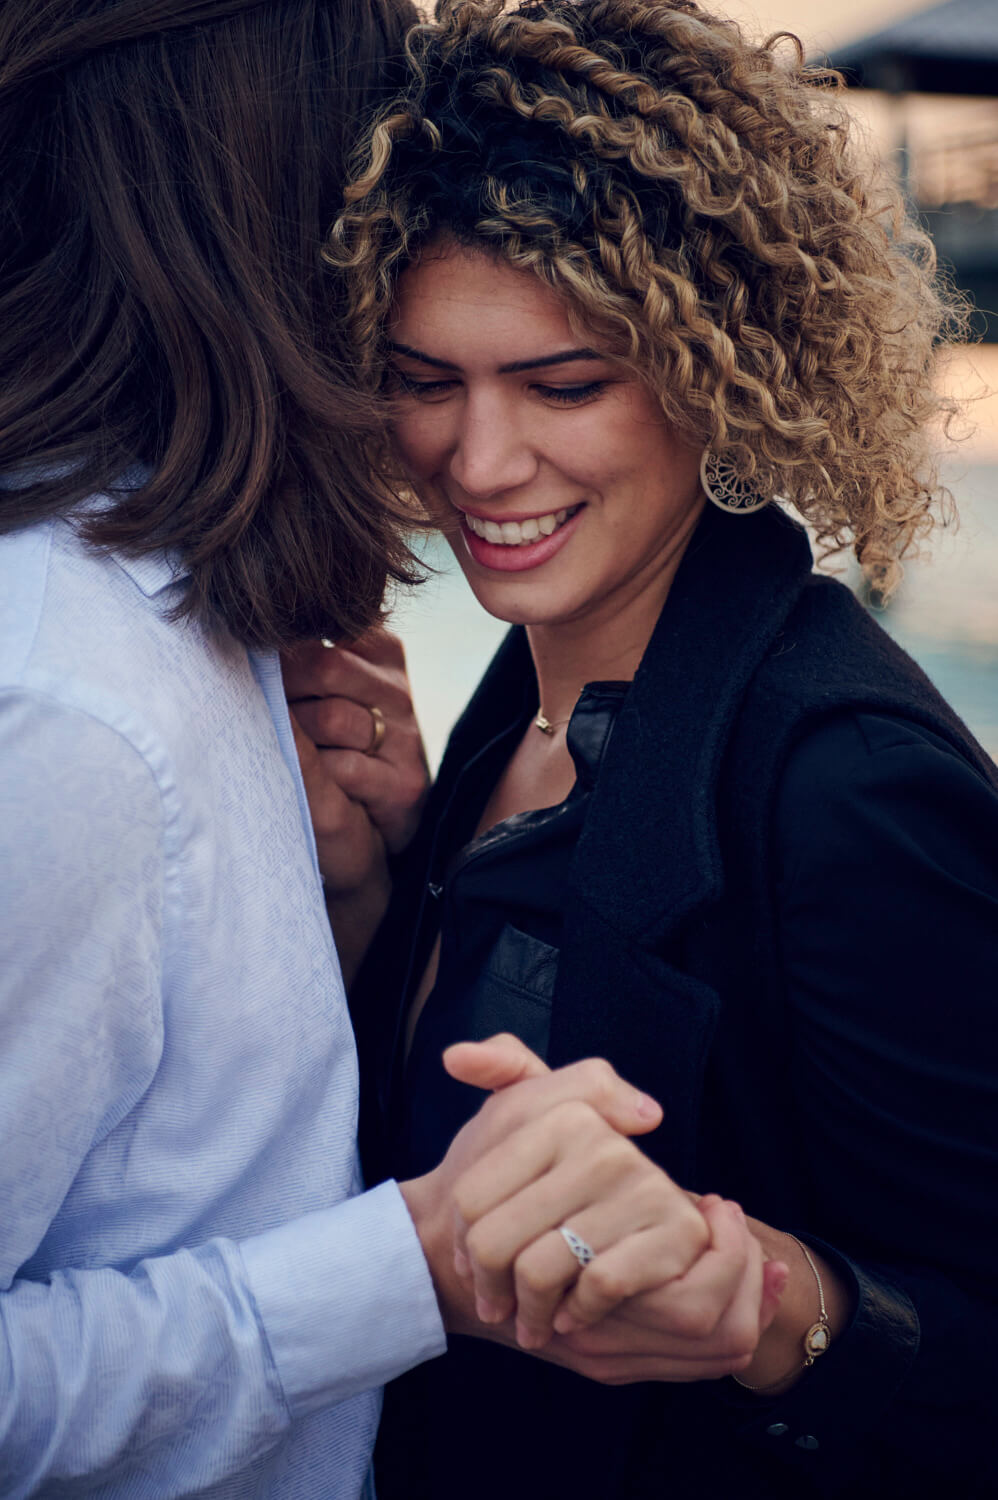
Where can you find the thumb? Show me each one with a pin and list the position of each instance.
(494, 1064)
(503, 1060)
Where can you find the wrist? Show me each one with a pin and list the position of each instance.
(433, 1217)
(814, 1309)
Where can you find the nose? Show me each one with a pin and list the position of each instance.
(492, 451)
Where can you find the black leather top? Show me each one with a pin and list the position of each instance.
(498, 902)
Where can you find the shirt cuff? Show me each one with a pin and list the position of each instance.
(345, 1298)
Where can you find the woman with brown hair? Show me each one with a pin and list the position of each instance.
(196, 1296)
(170, 170)
(631, 295)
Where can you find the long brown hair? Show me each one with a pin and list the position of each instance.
(170, 168)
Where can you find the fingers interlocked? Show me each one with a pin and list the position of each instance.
(576, 1171)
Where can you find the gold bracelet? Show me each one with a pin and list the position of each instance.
(817, 1338)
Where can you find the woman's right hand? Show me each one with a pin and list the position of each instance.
(364, 770)
(338, 696)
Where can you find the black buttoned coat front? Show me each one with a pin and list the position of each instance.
(782, 922)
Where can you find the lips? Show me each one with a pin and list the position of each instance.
(519, 546)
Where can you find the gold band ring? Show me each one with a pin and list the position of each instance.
(378, 731)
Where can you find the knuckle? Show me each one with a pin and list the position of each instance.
(533, 1277)
(609, 1166)
(576, 1117)
(651, 1196)
(598, 1077)
(484, 1251)
(331, 720)
(467, 1201)
(610, 1283)
(350, 764)
(694, 1321)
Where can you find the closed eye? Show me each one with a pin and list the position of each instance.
(572, 395)
(421, 388)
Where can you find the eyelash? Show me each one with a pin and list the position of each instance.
(566, 395)
(571, 395)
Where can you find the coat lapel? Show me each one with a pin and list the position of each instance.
(648, 856)
(648, 859)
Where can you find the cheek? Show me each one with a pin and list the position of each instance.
(421, 442)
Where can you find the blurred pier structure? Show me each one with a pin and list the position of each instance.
(955, 187)
(949, 50)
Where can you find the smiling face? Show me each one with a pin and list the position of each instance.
(567, 494)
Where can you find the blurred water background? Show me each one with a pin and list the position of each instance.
(945, 615)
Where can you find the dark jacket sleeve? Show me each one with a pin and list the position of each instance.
(887, 901)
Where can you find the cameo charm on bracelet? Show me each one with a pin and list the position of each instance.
(816, 1341)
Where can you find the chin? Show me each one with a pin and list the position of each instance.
(518, 611)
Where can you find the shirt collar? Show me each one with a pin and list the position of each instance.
(153, 572)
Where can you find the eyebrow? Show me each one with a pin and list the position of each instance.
(567, 356)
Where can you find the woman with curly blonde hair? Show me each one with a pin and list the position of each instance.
(628, 296)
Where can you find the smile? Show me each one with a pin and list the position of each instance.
(518, 533)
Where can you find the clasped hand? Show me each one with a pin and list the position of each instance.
(679, 1288)
(362, 804)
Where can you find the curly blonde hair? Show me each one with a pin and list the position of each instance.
(699, 202)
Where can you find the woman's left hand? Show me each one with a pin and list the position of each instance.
(702, 1326)
(668, 1300)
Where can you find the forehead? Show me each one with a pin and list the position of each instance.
(471, 308)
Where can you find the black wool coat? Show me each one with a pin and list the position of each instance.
(781, 778)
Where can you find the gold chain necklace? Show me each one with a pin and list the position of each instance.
(546, 726)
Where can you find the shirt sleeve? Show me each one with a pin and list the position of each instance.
(189, 1366)
(888, 916)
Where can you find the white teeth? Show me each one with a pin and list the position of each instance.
(518, 533)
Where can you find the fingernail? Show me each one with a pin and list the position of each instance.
(527, 1338)
(565, 1323)
(647, 1108)
(487, 1311)
(462, 1265)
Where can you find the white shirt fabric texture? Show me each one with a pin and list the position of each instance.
(196, 1296)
